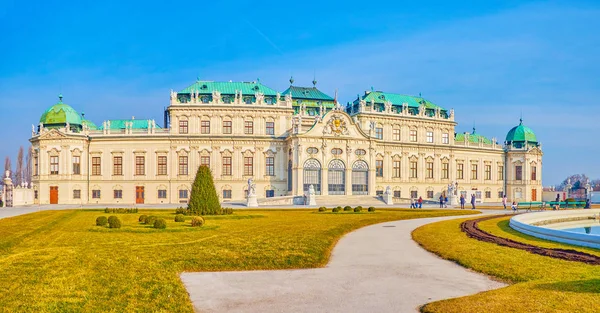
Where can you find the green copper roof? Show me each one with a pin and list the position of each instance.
(60, 114)
(521, 133)
(89, 124)
(473, 138)
(311, 93)
(229, 88)
(397, 99)
(120, 124)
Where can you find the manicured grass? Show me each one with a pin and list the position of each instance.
(59, 261)
(539, 284)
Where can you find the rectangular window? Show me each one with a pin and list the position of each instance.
(140, 165)
(488, 194)
(429, 169)
(183, 127)
(77, 194)
(533, 173)
(473, 171)
(205, 161)
(35, 194)
(500, 194)
(430, 194)
(488, 172)
(205, 127)
(226, 127)
(226, 166)
(413, 135)
(396, 169)
(76, 165)
(161, 165)
(96, 166)
(54, 165)
(226, 193)
(379, 133)
(117, 166)
(460, 171)
(248, 127)
(379, 168)
(270, 128)
(414, 194)
(445, 170)
(270, 166)
(500, 172)
(518, 172)
(445, 138)
(397, 194)
(413, 169)
(379, 193)
(162, 194)
(95, 194)
(36, 166)
(430, 137)
(396, 134)
(270, 193)
(183, 165)
(183, 194)
(248, 166)
(118, 194)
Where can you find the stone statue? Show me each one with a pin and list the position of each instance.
(422, 110)
(303, 108)
(311, 190)
(7, 173)
(251, 187)
(388, 106)
(173, 96)
(259, 97)
(388, 190)
(278, 97)
(288, 99)
(216, 95)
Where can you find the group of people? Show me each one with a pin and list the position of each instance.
(513, 206)
(463, 201)
(416, 204)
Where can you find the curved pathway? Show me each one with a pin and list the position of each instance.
(378, 268)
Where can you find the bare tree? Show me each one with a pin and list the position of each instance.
(27, 169)
(19, 169)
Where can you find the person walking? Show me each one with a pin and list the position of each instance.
(462, 201)
(445, 202)
(473, 201)
(504, 201)
(441, 201)
(412, 203)
(420, 202)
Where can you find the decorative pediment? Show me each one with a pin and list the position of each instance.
(336, 126)
(205, 152)
(429, 159)
(413, 158)
(269, 153)
(52, 134)
(248, 153)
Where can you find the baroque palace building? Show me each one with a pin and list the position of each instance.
(285, 142)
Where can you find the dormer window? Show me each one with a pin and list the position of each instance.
(205, 99)
(269, 100)
(248, 100)
(226, 99)
(204, 87)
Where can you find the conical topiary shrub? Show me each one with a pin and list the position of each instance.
(204, 199)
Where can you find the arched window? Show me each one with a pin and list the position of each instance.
(360, 178)
(312, 175)
(336, 177)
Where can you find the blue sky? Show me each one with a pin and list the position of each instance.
(491, 61)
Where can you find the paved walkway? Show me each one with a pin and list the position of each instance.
(378, 268)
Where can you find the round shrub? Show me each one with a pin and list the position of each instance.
(160, 223)
(107, 210)
(181, 211)
(336, 209)
(371, 209)
(179, 218)
(114, 222)
(347, 208)
(150, 220)
(358, 209)
(142, 219)
(197, 221)
(322, 209)
(101, 221)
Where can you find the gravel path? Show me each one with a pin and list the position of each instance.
(378, 268)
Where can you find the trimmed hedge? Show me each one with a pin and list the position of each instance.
(179, 218)
(114, 222)
(322, 209)
(181, 210)
(347, 208)
(358, 209)
(226, 211)
(121, 211)
(160, 223)
(142, 219)
(101, 221)
(204, 199)
(336, 209)
(371, 209)
(197, 221)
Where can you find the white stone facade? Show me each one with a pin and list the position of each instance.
(360, 153)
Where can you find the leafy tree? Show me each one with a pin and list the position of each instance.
(578, 181)
(204, 199)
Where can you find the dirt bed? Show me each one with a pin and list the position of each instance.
(472, 230)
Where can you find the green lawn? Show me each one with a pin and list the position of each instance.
(59, 261)
(538, 283)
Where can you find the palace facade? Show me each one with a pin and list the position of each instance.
(285, 142)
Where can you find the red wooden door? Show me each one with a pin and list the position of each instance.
(53, 195)
(139, 194)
